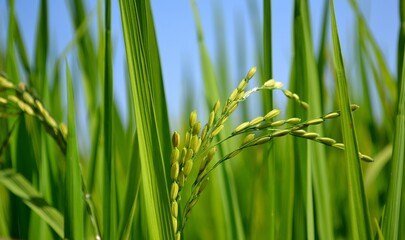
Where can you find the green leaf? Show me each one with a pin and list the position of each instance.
(22, 188)
(358, 209)
(74, 205)
(136, 29)
(109, 189)
(391, 218)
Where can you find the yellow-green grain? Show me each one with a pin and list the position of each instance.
(174, 172)
(241, 127)
(188, 166)
(256, 121)
(174, 191)
(193, 118)
(315, 121)
(273, 113)
(277, 123)
(217, 130)
(248, 138)
(175, 155)
(280, 133)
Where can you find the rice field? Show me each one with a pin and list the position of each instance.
(311, 157)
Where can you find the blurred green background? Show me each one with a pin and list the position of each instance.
(159, 61)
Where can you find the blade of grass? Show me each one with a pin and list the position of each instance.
(400, 61)
(157, 218)
(131, 196)
(299, 84)
(74, 207)
(41, 50)
(22, 188)
(109, 191)
(358, 209)
(316, 153)
(390, 223)
(267, 105)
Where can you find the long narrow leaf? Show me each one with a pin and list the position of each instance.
(154, 186)
(109, 206)
(358, 209)
(22, 188)
(74, 206)
(390, 224)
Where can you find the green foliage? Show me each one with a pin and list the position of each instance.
(274, 176)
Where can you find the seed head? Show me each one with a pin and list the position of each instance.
(242, 86)
(217, 106)
(193, 118)
(4, 83)
(28, 98)
(196, 128)
(173, 191)
(298, 132)
(277, 123)
(331, 115)
(233, 154)
(175, 139)
(175, 209)
(174, 221)
(204, 132)
(183, 155)
(293, 120)
(174, 173)
(241, 127)
(339, 145)
(327, 141)
(232, 107)
(188, 167)
(278, 85)
(211, 119)
(269, 83)
(251, 73)
(189, 154)
(264, 125)
(203, 186)
(310, 135)
(248, 138)
(304, 105)
(366, 158)
(175, 155)
(280, 133)
(217, 130)
(261, 140)
(233, 95)
(63, 130)
(354, 107)
(271, 114)
(315, 121)
(3, 101)
(256, 121)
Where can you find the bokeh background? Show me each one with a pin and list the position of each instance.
(226, 21)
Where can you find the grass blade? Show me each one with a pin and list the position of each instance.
(267, 101)
(21, 187)
(157, 218)
(390, 224)
(74, 207)
(109, 191)
(358, 209)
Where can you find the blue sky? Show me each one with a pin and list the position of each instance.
(177, 39)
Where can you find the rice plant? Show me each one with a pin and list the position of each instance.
(322, 167)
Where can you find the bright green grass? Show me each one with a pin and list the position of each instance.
(288, 188)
